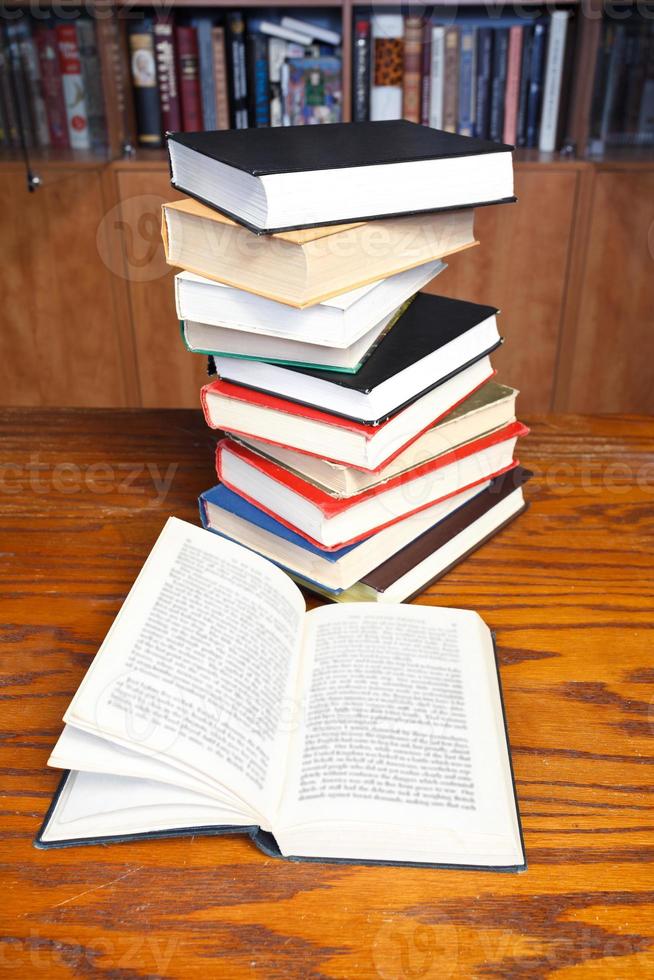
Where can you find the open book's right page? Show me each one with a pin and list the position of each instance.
(401, 753)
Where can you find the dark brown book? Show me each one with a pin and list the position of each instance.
(451, 88)
(385, 575)
(411, 81)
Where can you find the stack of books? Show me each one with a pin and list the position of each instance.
(368, 447)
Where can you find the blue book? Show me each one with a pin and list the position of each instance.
(258, 80)
(467, 79)
(203, 26)
(484, 76)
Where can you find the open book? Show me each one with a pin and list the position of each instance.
(217, 704)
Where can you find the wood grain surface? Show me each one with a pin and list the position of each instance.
(568, 588)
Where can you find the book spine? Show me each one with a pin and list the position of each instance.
(437, 77)
(71, 73)
(188, 72)
(32, 74)
(276, 58)
(258, 82)
(92, 75)
(645, 131)
(388, 43)
(484, 76)
(220, 77)
(411, 82)
(535, 83)
(144, 83)
(498, 84)
(18, 87)
(467, 76)
(426, 75)
(361, 70)
(166, 58)
(6, 94)
(523, 97)
(53, 92)
(203, 26)
(511, 95)
(636, 53)
(238, 90)
(451, 90)
(553, 79)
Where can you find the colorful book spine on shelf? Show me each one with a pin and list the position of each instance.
(467, 80)
(437, 77)
(512, 92)
(53, 92)
(425, 91)
(536, 68)
(70, 66)
(361, 59)
(258, 80)
(498, 84)
(386, 92)
(165, 54)
(238, 86)
(554, 71)
(523, 96)
(92, 75)
(188, 73)
(451, 89)
(203, 27)
(484, 78)
(411, 78)
(221, 86)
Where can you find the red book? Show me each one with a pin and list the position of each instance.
(247, 412)
(333, 522)
(188, 74)
(53, 91)
(512, 90)
(164, 53)
(70, 66)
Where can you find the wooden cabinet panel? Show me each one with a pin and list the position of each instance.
(521, 266)
(606, 363)
(169, 376)
(58, 344)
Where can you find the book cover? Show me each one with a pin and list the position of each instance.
(258, 80)
(203, 27)
(92, 75)
(411, 80)
(361, 59)
(188, 73)
(498, 84)
(53, 92)
(70, 66)
(312, 90)
(467, 79)
(484, 77)
(166, 59)
(144, 82)
(221, 85)
(237, 74)
(451, 84)
(514, 60)
(388, 67)
(547, 136)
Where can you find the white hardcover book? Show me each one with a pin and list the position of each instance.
(317, 33)
(437, 77)
(553, 79)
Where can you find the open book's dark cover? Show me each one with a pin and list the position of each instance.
(335, 146)
(267, 843)
(332, 146)
(385, 575)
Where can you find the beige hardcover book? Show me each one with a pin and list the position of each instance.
(305, 267)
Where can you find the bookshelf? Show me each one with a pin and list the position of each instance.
(102, 307)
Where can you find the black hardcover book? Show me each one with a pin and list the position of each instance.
(484, 78)
(536, 76)
(303, 176)
(523, 92)
(498, 84)
(144, 82)
(237, 71)
(181, 725)
(433, 340)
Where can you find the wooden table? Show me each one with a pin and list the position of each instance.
(569, 590)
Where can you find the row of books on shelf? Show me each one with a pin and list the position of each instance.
(506, 79)
(51, 85)
(233, 72)
(501, 79)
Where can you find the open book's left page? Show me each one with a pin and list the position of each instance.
(198, 669)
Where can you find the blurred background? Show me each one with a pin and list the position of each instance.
(88, 90)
